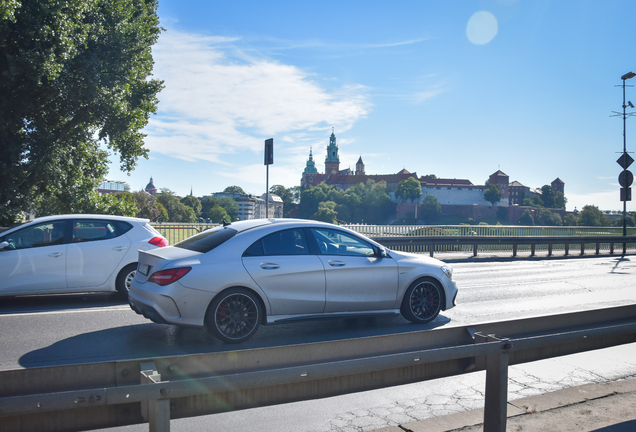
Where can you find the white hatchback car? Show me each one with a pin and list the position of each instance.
(74, 253)
(233, 278)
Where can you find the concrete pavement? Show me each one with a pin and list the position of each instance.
(606, 407)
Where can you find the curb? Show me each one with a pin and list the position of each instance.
(585, 408)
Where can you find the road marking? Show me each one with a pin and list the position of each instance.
(66, 311)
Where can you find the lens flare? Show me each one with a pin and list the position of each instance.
(482, 28)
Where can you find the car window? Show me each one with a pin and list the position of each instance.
(286, 242)
(44, 234)
(93, 230)
(334, 242)
(207, 240)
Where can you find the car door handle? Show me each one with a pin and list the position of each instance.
(269, 266)
(56, 254)
(120, 248)
(336, 263)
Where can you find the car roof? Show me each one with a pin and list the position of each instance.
(77, 216)
(245, 225)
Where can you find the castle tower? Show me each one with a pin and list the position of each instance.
(310, 171)
(360, 167)
(558, 185)
(332, 162)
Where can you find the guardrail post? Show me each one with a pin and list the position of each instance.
(514, 250)
(582, 248)
(611, 248)
(475, 250)
(431, 249)
(550, 249)
(532, 249)
(155, 411)
(496, 404)
(567, 249)
(598, 248)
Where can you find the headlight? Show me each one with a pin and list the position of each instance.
(448, 271)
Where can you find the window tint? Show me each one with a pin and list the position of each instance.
(286, 242)
(207, 240)
(45, 234)
(93, 230)
(334, 242)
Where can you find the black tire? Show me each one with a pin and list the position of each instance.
(125, 276)
(422, 301)
(234, 315)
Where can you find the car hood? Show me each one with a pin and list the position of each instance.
(415, 257)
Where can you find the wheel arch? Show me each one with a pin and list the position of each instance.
(432, 278)
(220, 293)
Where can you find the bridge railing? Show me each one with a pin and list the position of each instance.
(155, 390)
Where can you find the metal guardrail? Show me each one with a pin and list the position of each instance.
(513, 244)
(99, 395)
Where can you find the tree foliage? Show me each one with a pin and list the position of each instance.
(545, 217)
(431, 208)
(409, 189)
(290, 197)
(591, 216)
(492, 194)
(75, 75)
(526, 218)
(209, 210)
(234, 190)
(177, 211)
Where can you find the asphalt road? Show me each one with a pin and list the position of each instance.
(58, 330)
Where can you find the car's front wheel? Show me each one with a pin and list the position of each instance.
(124, 278)
(422, 301)
(234, 315)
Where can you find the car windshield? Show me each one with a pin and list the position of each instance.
(207, 240)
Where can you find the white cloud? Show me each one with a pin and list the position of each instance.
(218, 101)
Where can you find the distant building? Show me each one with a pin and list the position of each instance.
(252, 207)
(112, 187)
(151, 188)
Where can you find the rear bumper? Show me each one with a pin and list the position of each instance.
(147, 311)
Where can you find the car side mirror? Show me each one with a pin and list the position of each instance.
(381, 253)
(4, 245)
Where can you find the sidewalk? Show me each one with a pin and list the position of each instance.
(607, 407)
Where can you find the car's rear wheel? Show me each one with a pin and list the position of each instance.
(234, 315)
(124, 278)
(422, 301)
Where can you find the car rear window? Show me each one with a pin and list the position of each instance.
(207, 240)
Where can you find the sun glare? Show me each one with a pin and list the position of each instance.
(482, 28)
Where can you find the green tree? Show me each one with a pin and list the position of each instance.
(75, 74)
(526, 218)
(431, 208)
(326, 212)
(217, 214)
(193, 202)
(310, 198)
(177, 211)
(547, 195)
(629, 221)
(290, 197)
(560, 200)
(228, 204)
(148, 206)
(545, 217)
(234, 190)
(492, 194)
(591, 216)
(571, 220)
(409, 189)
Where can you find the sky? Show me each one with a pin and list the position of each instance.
(458, 89)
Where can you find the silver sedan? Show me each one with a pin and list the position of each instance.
(233, 278)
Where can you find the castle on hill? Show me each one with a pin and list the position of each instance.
(449, 192)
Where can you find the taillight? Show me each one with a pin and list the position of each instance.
(166, 277)
(159, 242)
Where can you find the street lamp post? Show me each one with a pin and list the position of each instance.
(626, 177)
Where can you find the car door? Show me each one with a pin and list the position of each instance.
(357, 279)
(35, 261)
(96, 250)
(283, 267)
